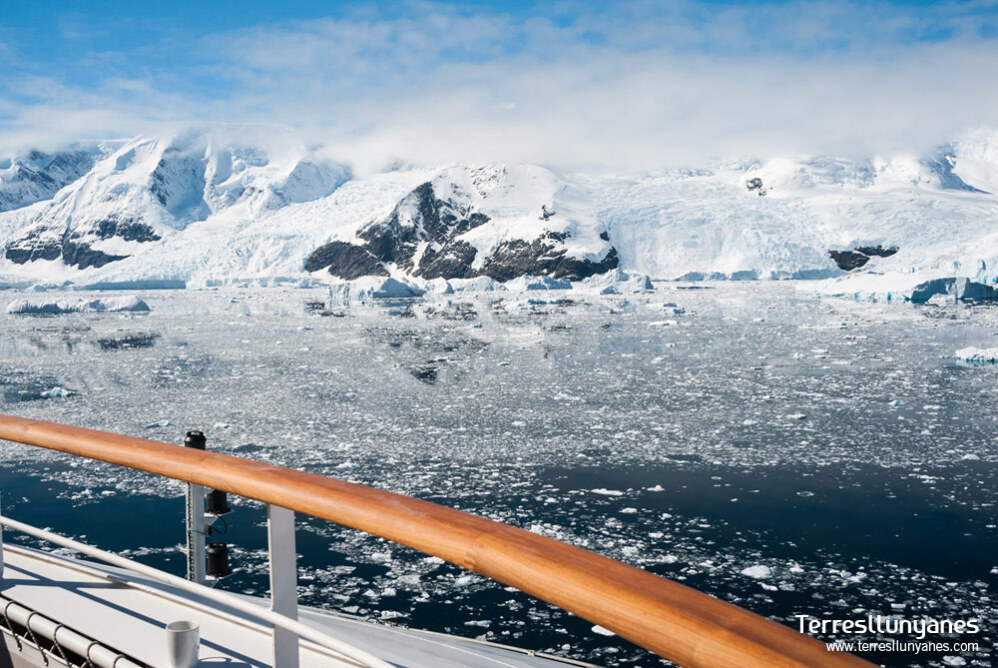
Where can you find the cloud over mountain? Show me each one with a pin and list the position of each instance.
(630, 85)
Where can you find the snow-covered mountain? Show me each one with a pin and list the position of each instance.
(37, 175)
(208, 205)
(151, 189)
(501, 221)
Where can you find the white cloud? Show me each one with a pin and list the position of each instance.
(638, 87)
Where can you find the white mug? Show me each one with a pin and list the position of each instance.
(183, 640)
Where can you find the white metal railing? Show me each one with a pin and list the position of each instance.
(280, 521)
(61, 637)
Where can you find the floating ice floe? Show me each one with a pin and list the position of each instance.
(113, 305)
(603, 631)
(607, 492)
(668, 307)
(539, 283)
(480, 284)
(758, 572)
(616, 282)
(57, 392)
(978, 355)
(373, 287)
(439, 286)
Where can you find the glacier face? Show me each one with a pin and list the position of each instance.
(205, 205)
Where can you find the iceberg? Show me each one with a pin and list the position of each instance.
(373, 287)
(978, 355)
(42, 307)
(539, 283)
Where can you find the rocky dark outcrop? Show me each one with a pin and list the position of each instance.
(128, 229)
(74, 254)
(541, 257)
(345, 260)
(421, 216)
(755, 185)
(82, 256)
(77, 248)
(452, 261)
(848, 260)
(32, 247)
(878, 251)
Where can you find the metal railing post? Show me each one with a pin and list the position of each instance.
(283, 581)
(195, 518)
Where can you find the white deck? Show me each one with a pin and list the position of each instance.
(128, 612)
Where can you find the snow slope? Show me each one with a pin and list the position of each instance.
(217, 204)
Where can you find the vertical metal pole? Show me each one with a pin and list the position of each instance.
(195, 518)
(283, 581)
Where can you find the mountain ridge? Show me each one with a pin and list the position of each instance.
(204, 207)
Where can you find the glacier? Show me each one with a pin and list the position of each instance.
(212, 205)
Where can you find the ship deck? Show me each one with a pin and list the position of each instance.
(129, 612)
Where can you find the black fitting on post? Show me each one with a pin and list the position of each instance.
(216, 503)
(218, 560)
(196, 440)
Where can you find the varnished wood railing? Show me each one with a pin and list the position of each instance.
(674, 621)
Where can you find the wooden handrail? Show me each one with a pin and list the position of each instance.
(670, 619)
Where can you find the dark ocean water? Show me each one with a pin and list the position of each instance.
(837, 448)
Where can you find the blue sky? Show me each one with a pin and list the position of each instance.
(559, 82)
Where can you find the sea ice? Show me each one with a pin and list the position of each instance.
(57, 392)
(373, 287)
(117, 304)
(759, 572)
(539, 283)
